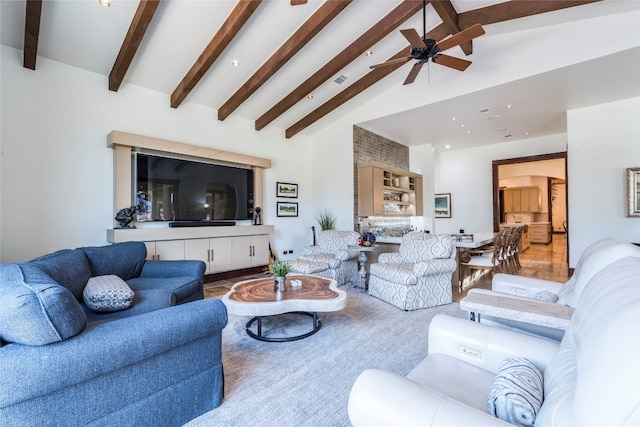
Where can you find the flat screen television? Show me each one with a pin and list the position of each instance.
(177, 189)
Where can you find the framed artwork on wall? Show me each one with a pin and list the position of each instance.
(442, 205)
(287, 209)
(633, 192)
(285, 189)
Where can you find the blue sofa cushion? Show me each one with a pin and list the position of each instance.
(125, 260)
(144, 301)
(107, 293)
(182, 287)
(34, 309)
(70, 268)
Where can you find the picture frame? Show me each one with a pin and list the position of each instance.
(285, 209)
(286, 189)
(633, 192)
(442, 205)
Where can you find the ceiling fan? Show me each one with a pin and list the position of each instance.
(423, 49)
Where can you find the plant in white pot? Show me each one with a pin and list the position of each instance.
(279, 271)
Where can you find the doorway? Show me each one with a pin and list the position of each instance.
(552, 202)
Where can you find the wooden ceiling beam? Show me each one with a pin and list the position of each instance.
(391, 21)
(514, 9)
(139, 25)
(358, 86)
(31, 33)
(304, 34)
(488, 15)
(229, 29)
(449, 17)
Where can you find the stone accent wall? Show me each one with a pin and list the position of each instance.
(370, 147)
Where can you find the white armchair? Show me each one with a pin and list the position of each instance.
(331, 257)
(596, 257)
(591, 378)
(419, 275)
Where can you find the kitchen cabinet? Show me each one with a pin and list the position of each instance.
(540, 232)
(165, 249)
(521, 199)
(387, 191)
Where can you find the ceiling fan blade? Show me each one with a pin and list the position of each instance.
(414, 38)
(461, 37)
(390, 62)
(413, 73)
(452, 62)
(297, 2)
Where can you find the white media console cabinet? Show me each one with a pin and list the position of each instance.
(222, 248)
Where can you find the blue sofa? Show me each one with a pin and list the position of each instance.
(158, 362)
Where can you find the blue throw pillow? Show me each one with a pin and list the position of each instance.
(125, 260)
(516, 393)
(36, 311)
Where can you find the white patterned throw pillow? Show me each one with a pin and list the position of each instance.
(546, 296)
(516, 393)
(109, 293)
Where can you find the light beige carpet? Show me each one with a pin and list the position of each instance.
(307, 382)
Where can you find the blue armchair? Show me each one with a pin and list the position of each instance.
(155, 363)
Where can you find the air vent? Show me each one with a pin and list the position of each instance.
(484, 110)
(341, 79)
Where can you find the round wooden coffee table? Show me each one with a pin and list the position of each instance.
(258, 298)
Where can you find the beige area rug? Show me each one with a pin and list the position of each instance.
(307, 382)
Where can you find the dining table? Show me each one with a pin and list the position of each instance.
(464, 242)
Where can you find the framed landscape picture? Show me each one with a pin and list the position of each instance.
(287, 209)
(443, 205)
(633, 192)
(286, 189)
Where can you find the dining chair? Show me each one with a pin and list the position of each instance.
(493, 258)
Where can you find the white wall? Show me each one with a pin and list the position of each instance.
(57, 172)
(604, 140)
(467, 175)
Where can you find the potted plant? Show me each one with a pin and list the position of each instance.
(326, 220)
(280, 270)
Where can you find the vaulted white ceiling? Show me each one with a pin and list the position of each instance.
(86, 35)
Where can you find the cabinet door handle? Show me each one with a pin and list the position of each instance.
(208, 255)
(212, 255)
(158, 257)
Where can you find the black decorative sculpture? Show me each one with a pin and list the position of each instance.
(258, 218)
(125, 216)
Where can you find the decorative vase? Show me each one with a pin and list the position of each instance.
(405, 197)
(368, 239)
(280, 284)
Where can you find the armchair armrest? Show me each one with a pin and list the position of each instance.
(435, 266)
(486, 346)
(104, 347)
(523, 286)
(177, 268)
(390, 258)
(346, 254)
(381, 398)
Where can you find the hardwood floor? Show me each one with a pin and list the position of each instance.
(547, 262)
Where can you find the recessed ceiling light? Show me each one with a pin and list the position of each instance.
(447, 146)
(526, 133)
(462, 125)
(469, 131)
(453, 118)
(508, 105)
(235, 62)
(369, 53)
(105, 3)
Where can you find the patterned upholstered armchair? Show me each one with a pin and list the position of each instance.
(419, 275)
(331, 257)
